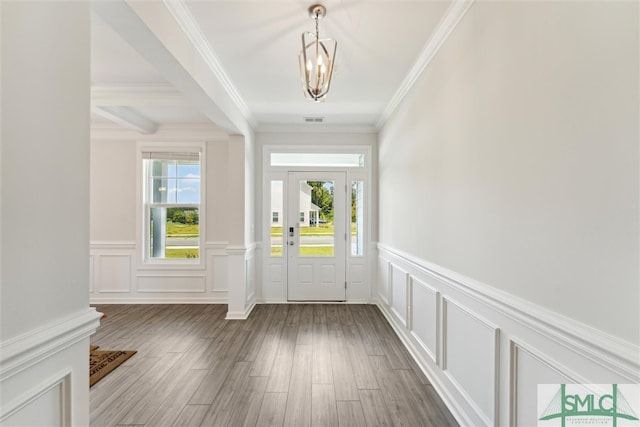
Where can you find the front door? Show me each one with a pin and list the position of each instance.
(315, 236)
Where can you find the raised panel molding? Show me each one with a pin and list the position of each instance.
(382, 287)
(527, 369)
(116, 276)
(399, 284)
(164, 283)
(250, 278)
(49, 402)
(465, 333)
(517, 344)
(114, 273)
(92, 277)
(216, 272)
(424, 323)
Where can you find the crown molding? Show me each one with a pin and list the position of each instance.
(447, 24)
(185, 20)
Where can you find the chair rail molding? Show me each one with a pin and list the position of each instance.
(485, 350)
(25, 350)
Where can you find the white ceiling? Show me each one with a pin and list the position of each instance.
(256, 43)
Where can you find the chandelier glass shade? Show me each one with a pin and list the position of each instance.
(316, 59)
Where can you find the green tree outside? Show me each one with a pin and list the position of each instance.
(322, 198)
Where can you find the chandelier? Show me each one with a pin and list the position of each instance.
(316, 59)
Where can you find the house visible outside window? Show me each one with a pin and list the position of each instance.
(172, 201)
(274, 217)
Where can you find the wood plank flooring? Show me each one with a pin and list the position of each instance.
(287, 365)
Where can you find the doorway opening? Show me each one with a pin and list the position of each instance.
(316, 213)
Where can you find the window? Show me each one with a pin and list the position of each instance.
(301, 216)
(350, 160)
(357, 218)
(276, 238)
(171, 204)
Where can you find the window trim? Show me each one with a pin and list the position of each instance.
(142, 228)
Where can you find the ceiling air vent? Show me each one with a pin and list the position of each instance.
(314, 119)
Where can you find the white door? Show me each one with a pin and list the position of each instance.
(315, 236)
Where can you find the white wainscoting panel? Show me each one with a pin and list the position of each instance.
(382, 288)
(399, 284)
(171, 284)
(528, 368)
(117, 277)
(425, 320)
(115, 273)
(485, 351)
(469, 356)
(92, 273)
(40, 369)
(219, 274)
(47, 404)
(250, 279)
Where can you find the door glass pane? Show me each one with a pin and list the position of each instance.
(276, 218)
(357, 218)
(316, 227)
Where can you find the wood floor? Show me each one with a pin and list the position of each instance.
(287, 365)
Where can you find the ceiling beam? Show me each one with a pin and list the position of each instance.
(137, 95)
(126, 117)
(156, 36)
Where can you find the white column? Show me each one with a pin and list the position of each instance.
(238, 305)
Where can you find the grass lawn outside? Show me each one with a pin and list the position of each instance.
(182, 253)
(322, 230)
(176, 229)
(306, 250)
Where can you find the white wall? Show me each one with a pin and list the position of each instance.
(518, 153)
(45, 316)
(113, 191)
(514, 158)
(117, 275)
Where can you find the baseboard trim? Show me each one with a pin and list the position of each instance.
(243, 315)
(25, 350)
(159, 300)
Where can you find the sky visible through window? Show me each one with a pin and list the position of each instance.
(182, 183)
